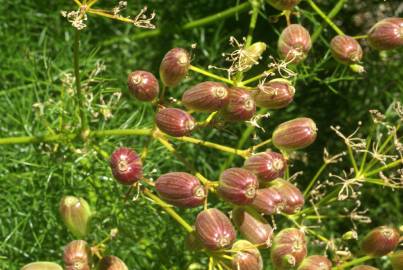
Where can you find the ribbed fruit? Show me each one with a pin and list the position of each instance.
(295, 134)
(112, 263)
(174, 66)
(268, 201)
(266, 165)
(76, 255)
(380, 241)
(294, 43)
(214, 229)
(283, 4)
(253, 227)
(175, 122)
(246, 257)
(206, 97)
(126, 166)
(180, 189)
(250, 56)
(346, 49)
(315, 262)
(238, 185)
(240, 107)
(289, 249)
(42, 266)
(143, 85)
(293, 199)
(275, 94)
(386, 34)
(76, 215)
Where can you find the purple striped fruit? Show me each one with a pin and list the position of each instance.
(283, 4)
(268, 201)
(206, 97)
(246, 257)
(346, 49)
(112, 263)
(180, 189)
(315, 262)
(275, 94)
(380, 241)
(42, 266)
(76, 255)
(289, 249)
(386, 34)
(175, 122)
(253, 227)
(143, 85)
(214, 229)
(293, 199)
(238, 185)
(76, 215)
(295, 134)
(266, 165)
(240, 107)
(294, 43)
(174, 66)
(126, 166)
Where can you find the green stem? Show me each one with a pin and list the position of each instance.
(353, 262)
(252, 24)
(36, 139)
(211, 75)
(256, 78)
(121, 132)
(350, 154)
(336, 9)
(313, 180)
(79, 91)
(386, 167)
(190, 25)
(325, 17)
(167, 208)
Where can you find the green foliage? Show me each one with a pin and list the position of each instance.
(37, 98)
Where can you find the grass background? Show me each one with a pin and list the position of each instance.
(35, 56)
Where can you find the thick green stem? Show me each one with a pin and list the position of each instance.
(252, 24)
(190, 25)
(325, 17)
(351, 263)
(211, 75)
(167, 208)
(331, 15)
(121, 132)
(36, 139)
(79, 91)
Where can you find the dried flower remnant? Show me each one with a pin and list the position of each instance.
(355, 143)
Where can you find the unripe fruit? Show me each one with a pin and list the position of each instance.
(76, 215)
(250, 56)
(42, 266)
(266, 165)
(364, 267)
(247, 256)
(175, 122)
(289, 249)
(380, 241)
(214, 229)
(315, 262)
(174, 66)
(180, 189)
(275, 94)
(396, 259)
(112, 263)
(206, 97)
(238, 185)
(346, 49)
(240, 107)
(386, 34)
(253, 227)
(293, 199)
(268, 201)
(76, 255)
(126, 166)
(294, 43)
(283, 4)
(143, 85)
(295, 134)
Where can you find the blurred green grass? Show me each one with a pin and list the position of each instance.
(35, 56)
